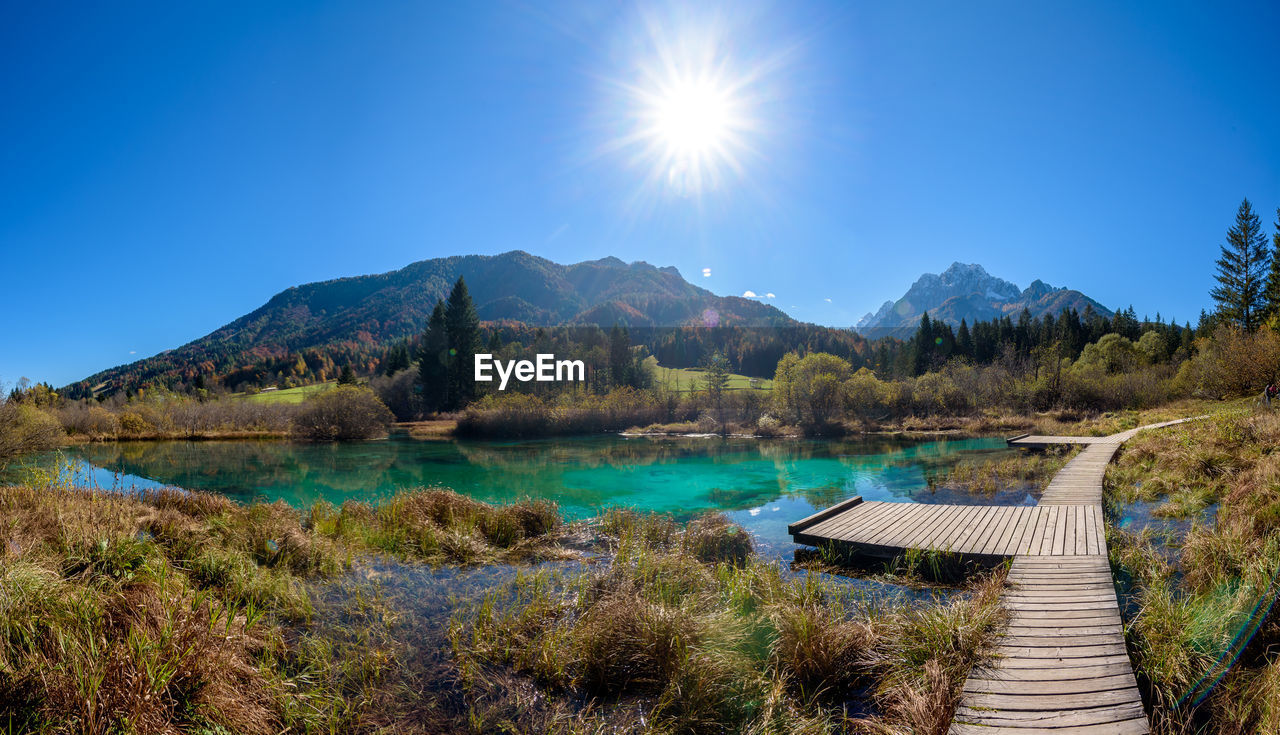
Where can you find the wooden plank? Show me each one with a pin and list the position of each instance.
(1022, 718)
(979, 541)
(1065, 628)
(909, 528)
(1073, 517)
(1040, 712)
(864, 514)
(1039, 544)
(1082, 531)
(1099, 686)
(1060, 530)
(898, 517)
(1034, 528)
(1061, 640)
(999, 536)
(1085, 650)
(976, 541)
(1015, 533)
(862, 521)
(822, 515)
(1060, 577)
(985, 516)
(1057, 673)
(957, 525)
(1036, 661)
(1128, 727)
(934, 538)
(1096, 614)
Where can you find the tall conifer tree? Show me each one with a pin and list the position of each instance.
(463, 328)
(1242, 271)
(964, 342)
(433, 361)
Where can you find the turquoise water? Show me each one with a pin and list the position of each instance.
(762, 484)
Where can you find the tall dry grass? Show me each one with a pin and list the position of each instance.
(687, 627)
(1205, 633)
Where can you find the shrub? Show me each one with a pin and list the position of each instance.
(26, 429)
(513, 414)
(397, 392)
(88, 419)
(713, 538)
(810, 389)
(1231, 363)
(343, 413)
(133, 424)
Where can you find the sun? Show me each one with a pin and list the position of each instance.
(698, 105)
(693, 118)
(690, 109)
(692, 126)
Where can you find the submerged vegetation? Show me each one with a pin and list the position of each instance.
(1203, 632)
(988, 476)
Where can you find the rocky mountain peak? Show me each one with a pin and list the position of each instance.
(967, 291)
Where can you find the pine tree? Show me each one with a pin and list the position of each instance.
(1242, 268)
(433, 359)
(397, 358)
(619, 356)
(964, 343)
(1271, 296)
(347, 376)
(923, 358)
(463, 327)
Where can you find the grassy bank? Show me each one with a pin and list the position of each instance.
(183, 612)
(171, 611)
(684, 630)
(1202, 631)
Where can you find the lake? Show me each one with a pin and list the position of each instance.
(761, 484)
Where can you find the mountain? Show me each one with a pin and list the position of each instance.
(353, 318)
(968, 292)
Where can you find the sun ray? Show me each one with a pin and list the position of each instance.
(690, 114)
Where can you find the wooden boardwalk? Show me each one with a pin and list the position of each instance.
(885, 529)
(1039, 441)
(1060, 666)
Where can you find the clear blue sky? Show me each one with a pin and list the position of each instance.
(167, 167)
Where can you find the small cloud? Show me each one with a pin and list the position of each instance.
(770, 295)
(827, 300)
(706, 272)
(133, 352)
(748, 294)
